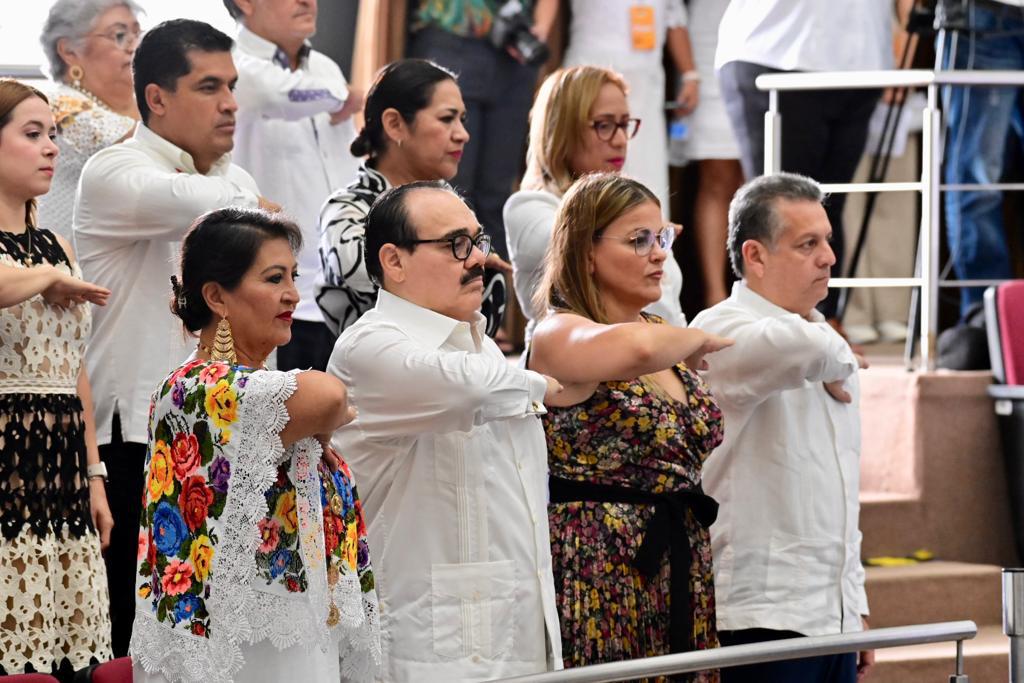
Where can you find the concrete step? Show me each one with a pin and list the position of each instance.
(985, 660)
(934, 591)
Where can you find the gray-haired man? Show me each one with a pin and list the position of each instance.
(786, 543)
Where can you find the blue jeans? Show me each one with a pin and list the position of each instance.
(980, 120)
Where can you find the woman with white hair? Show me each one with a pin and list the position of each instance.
(89, 44)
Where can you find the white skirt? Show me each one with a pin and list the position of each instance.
(711, 135)
(264, 663)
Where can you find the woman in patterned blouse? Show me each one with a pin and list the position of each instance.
(414, 131)
(89, 44)
(629, 523)
(252, 561)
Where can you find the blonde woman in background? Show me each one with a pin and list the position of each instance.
(580, 123)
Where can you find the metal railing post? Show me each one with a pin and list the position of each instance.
(772, 135)
(959, 676)
(1013, 620)
(931, 158)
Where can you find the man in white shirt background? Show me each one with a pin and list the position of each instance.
(135, 202)
(294, 130)
(449, 453)
(823, 131)
(786, 543)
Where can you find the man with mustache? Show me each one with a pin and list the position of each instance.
(786, 543)
(294, 131)
(449, 453)
(135, 202)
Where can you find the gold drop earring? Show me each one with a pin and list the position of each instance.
(223, 344)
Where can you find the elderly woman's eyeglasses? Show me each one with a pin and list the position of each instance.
(643, 240)
(605, 128)
(462, 245)
(122, 38)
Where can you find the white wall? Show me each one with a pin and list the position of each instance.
(21, 22)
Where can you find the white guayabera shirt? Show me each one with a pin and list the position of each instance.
(786, 543)
(807, 35)
(286, 140)
(451, 461)
(135, 203)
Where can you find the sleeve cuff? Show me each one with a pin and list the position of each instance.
(538, 386)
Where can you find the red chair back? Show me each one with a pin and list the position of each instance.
(116, 671)
(1010, 304)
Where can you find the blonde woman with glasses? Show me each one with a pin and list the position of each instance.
(580, 123)
(629, 522)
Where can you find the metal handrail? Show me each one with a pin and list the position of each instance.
(21, 71)
(930, 184)
(773, 651)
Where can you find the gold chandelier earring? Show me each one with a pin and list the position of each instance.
(224, 344)
(77, 73)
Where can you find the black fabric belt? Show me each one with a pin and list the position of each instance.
(666, 530)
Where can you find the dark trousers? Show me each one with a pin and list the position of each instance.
(823, 137)
(126, 464)
(310, 347)
(498, 92)
(824, 669)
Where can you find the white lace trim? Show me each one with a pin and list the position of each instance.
(241, 613)
(357, 630)
(232, 604)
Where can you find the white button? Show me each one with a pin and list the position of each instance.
(540, 573)
(533, 519)
(519, 464)
(476, 659)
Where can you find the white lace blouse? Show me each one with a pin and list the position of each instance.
(244, 543)
(85, 128)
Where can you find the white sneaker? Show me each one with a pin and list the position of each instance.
(861, 334)
(893, 330)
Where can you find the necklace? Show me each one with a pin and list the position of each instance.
(89, 96)
(209, 352)
(26, 257)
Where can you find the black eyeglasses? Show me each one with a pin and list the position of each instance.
(462, 245)
(605, 128)
(643, 239)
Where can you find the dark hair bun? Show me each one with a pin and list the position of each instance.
(361, 146)
(191, 308)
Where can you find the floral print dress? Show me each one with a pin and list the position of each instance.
(628, 434)
(243, 541)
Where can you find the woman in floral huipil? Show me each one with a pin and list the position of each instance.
(252, 563)
(629, 522)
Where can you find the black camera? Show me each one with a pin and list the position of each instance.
(511, 28)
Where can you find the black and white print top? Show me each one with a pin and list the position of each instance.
(344, 290)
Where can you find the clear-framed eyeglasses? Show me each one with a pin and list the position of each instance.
(121, 37)
(643, 240)
(605, 128)
(462, 245)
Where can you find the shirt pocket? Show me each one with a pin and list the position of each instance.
(473, 609)
(804, 575)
